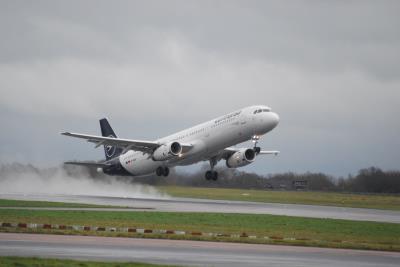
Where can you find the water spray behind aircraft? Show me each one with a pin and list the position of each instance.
(26, 179)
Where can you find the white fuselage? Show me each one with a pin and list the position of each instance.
(208, 139)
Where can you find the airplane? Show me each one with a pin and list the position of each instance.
(210, 141)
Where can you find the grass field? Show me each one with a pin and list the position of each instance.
(39, 262)
(310, 232)
(390, 202)
(45, 204)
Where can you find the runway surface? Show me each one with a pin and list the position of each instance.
(221, 206)
(187, 253)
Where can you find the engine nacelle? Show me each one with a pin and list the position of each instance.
(241, 158)
(167, 151)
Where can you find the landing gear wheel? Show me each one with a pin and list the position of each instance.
(214, 175)
(160, 171)
(211, 175)
(166, 171)
(257, 149)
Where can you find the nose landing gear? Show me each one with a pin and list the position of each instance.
(211, 174)
(256, 148)
(162, 171)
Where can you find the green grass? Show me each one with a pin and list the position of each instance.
(313, 232)
(46, 204)
(390, 202)
(40, 262)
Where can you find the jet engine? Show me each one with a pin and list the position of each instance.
(241, 158)
(167, 151)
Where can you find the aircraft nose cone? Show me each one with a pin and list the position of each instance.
(274, 119)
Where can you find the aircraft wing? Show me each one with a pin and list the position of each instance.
(273, 152)
(126, 144)
(227, 152)
(138, 145)
(87, 163)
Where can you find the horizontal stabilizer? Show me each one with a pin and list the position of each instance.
(87, 163)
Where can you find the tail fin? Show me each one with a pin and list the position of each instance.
(106, 130)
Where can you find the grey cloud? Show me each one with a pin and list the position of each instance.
(323, 36)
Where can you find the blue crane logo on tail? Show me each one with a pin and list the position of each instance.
(110, 150)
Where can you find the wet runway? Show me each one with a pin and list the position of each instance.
(187, 253)
(222, 206)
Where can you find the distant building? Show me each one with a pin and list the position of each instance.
(299, 184)
(269, 186)
(282, 186)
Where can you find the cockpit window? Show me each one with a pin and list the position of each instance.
(261, 110)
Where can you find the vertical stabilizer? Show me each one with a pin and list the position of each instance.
(106, 130)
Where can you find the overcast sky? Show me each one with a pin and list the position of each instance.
(330, 69)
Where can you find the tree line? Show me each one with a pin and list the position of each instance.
(368, 180)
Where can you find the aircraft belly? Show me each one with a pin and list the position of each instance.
(139, 163)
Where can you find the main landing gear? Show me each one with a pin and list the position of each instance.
(211, 174)
(162, 171)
